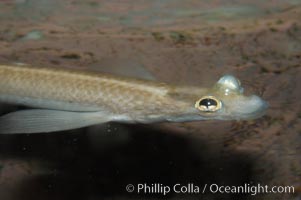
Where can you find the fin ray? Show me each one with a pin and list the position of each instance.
(41, 120)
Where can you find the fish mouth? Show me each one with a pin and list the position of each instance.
(251, 108)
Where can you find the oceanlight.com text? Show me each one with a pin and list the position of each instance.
(191, 188)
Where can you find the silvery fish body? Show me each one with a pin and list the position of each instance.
(68, 99)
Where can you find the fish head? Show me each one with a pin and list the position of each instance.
(226, 101)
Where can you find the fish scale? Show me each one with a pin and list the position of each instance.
(76, 86)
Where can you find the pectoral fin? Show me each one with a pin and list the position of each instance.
(40, 120)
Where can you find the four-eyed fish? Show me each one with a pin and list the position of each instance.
(69, 99)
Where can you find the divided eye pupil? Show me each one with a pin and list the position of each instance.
(208, 102)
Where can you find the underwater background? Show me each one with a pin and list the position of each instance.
(185, 42)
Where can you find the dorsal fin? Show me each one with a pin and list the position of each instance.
(123, 67)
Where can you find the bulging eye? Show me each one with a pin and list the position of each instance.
(208, 104)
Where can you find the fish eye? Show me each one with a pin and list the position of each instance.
(208, 104)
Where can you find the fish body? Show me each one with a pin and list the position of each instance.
(67, 99)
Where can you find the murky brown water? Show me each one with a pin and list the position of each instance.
(192, 43)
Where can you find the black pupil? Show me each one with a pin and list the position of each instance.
(208, 102)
